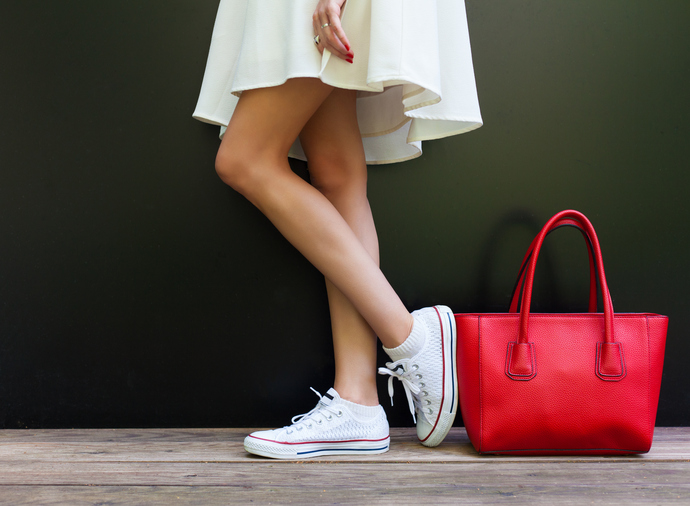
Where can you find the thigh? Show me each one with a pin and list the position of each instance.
(268, 120)
(331, 138)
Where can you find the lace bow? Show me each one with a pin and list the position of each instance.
(317, 415)
(401, 370)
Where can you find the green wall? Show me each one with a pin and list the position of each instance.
(137, 290)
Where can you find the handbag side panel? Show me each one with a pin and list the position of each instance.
(468, 375)
(657, 328)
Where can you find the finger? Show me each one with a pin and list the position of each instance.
(332, 41)
(326, 24)
(336, 29)
(335, 45)
(337, 52)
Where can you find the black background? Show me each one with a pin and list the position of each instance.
(137, 290)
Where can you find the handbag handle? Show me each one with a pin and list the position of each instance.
(521, 355)
(517, 289)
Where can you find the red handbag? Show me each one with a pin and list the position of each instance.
(577, 383)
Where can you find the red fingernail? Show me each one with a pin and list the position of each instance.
(349, 60)
(347, 47)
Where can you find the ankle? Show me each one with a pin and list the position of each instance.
(403, 332)
(361, 396)
(411, 345)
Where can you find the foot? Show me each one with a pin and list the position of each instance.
(426, 366)
(334, 427)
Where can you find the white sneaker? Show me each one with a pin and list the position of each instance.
(334, 427)
(426, 366)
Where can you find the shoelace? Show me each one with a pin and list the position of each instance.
(303, 420)
(409, 377)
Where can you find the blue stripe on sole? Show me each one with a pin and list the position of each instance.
(344, 449)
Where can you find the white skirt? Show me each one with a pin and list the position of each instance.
(412, 67)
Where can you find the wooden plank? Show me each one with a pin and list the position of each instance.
(122, 435)
(225, 445)
(661, 434)
(209, 466)
(306, 483)
(302, 473)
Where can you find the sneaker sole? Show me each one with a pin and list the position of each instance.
(449, 403)
(278, 450)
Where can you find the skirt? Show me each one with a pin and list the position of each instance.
(412, 67)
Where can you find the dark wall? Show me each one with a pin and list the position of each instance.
(137, 290)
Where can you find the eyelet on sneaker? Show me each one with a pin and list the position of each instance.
(340, 413)
(319, 422)
(428, 402)
(298, 428)
(329, 417)
(432, 368)
(310, 426)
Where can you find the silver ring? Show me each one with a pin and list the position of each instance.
(324, 26)
(317, 40)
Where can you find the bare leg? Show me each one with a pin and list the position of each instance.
(337, 166)
(253, 160)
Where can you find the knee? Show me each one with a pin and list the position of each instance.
(337, 178)
(234, 170)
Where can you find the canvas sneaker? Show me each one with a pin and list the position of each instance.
(427, 368)
(334, 427)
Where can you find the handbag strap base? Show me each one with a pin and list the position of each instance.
(610, 361)
(521, 364)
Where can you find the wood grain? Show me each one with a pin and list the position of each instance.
(209, 466)
(225, 445)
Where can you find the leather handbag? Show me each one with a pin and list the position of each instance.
(575, 383)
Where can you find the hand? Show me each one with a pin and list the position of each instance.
(331, 37)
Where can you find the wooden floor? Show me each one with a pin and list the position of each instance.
(209, 467)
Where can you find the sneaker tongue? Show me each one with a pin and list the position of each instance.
(329, 397)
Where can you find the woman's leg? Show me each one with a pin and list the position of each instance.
(337, 168)
(253, 160)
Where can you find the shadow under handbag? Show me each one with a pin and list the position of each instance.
(575, 383)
